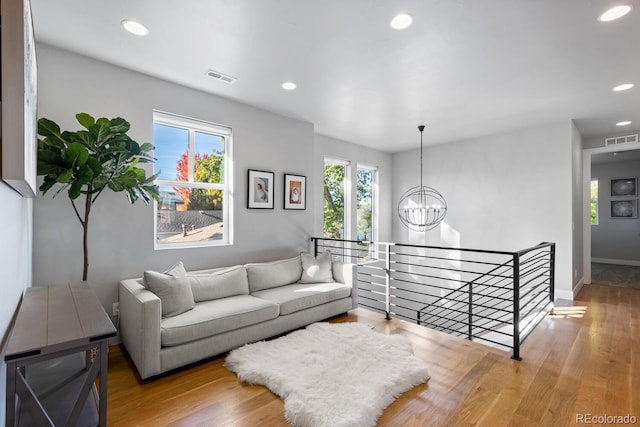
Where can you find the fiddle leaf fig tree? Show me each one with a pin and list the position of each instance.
(86, 162)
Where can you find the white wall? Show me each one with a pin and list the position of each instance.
(356, 155)
(121, 235)
(614, 239)
(15, 265)
(578, 209)
(504, 192)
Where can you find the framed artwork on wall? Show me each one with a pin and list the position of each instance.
(624, 209)
(295, 192)
(18, 135)
(260, 189)
(624, 187)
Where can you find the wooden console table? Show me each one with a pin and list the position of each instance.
(64, 323)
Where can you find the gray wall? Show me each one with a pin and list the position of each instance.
(614, 240)
(121, 235)
(356, 155)
(15, 265)
(504, 192)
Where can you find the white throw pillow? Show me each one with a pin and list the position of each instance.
(266, 275)
(173, 289)
(316, 270)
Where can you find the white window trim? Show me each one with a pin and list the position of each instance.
(375, 199)
(168, 119)
(347, 193)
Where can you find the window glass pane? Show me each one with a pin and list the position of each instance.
(364, 199)
(209, 158)
(594, 201)
(199, 219)
(334, 178)
(171, 152)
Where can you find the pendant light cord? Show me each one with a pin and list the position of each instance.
(421, 129)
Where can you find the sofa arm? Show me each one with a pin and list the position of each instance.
(140, 315)
(348, 274)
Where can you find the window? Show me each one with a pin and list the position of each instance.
(594, 201)
(335, 203)
(366, 202)
(193, 162)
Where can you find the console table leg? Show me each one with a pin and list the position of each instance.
(11, 395)
(104, 361)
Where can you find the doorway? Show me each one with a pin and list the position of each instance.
(609, 243)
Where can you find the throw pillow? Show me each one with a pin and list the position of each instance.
(266, 275)
(173, 289)
(219, 284)
(316, 270)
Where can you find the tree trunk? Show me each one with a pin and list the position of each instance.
(85, 235)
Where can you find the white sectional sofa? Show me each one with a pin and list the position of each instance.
(171, 319)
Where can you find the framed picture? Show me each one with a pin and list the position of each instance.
(260, 190)
(295, 191)
(624, 209)
(624, 187)
(18, 136)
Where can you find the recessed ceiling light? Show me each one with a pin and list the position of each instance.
(401, 21)
(624, 123)
(614, 13)
(625, 86)
(289, 86)
(135, 27)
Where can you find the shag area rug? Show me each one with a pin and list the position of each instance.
(331, 374)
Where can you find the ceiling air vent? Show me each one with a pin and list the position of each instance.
(617, 140)
(222, 77)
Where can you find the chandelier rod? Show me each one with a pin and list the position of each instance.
(421, 129)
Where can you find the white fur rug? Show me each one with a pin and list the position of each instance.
(331, 374)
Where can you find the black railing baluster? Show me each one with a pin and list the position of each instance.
(516, 307)
(470, 333)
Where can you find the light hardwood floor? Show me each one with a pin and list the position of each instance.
(583, 360)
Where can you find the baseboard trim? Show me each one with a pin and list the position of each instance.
(616, 261)
(578, 286)
(566, 295)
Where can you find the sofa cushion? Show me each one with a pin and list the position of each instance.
(173, 289)
(266, 275)
(209, 318)
(298, 296)
(316, 270)
(219, 284)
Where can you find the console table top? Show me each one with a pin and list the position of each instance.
(57, 318)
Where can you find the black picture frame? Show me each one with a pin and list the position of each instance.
(260, 189)
(624, 187)
(624, 209)
(295, 192)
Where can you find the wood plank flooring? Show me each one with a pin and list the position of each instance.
(585, 359)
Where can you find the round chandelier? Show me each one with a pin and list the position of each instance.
(422, 208)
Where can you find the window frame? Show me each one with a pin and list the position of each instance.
(192, 126)
(346, 194)
(595, 201)
(374, 199)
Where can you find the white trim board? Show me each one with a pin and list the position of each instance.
(616, 261)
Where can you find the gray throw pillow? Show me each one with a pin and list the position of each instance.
(266, 275)
(173, 289)
(316, 270)
(219, 284)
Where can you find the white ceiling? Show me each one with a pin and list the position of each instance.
(465, 67)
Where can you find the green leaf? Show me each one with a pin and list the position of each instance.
(76, 154)
(100, 131)
(95, 166)
(119, 125)
(85, 119)
(115, 186)
(145, 148)
(47, 127)
(85, 138)
(65, 176)
(75, 190)
(84, 175)
(47, 184)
